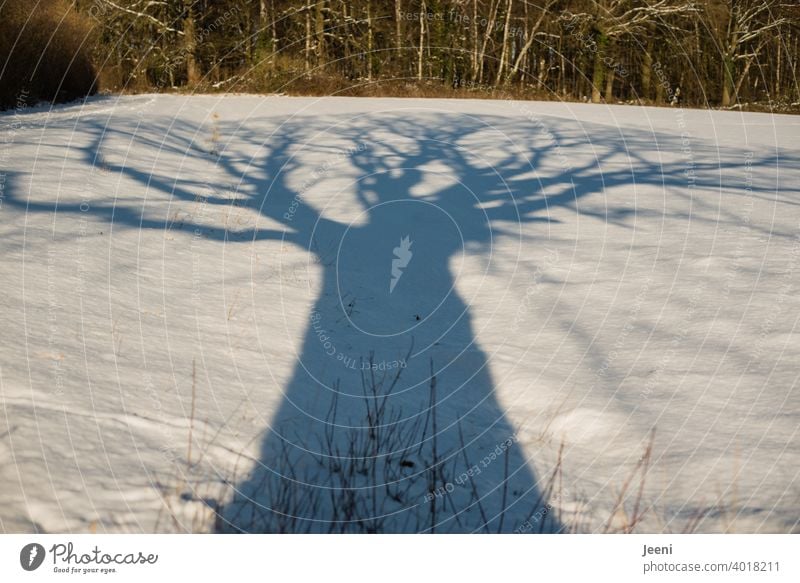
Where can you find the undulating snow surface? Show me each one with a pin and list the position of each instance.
(188, 283)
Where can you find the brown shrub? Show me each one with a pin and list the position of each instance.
(45, 52)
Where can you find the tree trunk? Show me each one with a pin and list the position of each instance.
(258, 32)
(348, 63)
(659, 92)
(742, 77)
(308, 39)
(370, 38)
(728, 63)
(647, 65)
(398, 32)
(320, 31)
(542, 78)
(421, 41)
(486, 37)
(504, 52)
(473, 57)
(192, 70)
(727, 80)
(779, 49)
(562, 73)
(599, 69)
(609, 92)
(274, 35)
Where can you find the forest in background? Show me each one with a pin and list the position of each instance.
(713, 53)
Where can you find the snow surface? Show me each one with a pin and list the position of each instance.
(205, 269)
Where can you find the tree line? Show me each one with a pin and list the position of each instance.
(724, 53)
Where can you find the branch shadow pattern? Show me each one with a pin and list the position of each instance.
(399, 429)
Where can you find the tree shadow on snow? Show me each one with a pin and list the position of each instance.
(390, 422)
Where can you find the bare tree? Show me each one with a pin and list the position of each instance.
(572, 48)
(741, 28)
(532, 34)
(606, 22)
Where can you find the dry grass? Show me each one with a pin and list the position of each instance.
(352, 485)
(351, 488)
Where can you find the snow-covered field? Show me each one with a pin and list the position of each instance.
(187, 282)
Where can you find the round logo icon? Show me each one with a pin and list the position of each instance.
(31, 556)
